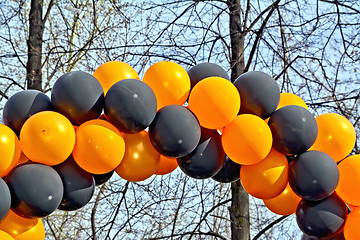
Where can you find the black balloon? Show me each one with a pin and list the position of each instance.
(205, 70)
(36, 190)
(5, 199)
(130, 105)
(322, 219)
(229, 172)
(175, 131)
(79, 185)
(22, 105)
(259, 93)
(313, 175)
(340, 236)
(207, 158)
(79, 96)
(102, 178)
(294, 129)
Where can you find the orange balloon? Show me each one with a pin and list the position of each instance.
(285, 203)
(10, 150)
(291, 99)
(215, 101)
(268, 178)
(247, 139)
(47, 137)
(166, 165)
(349, 181)
(336, 136)
(114, 71)
(169, 81)
(14, 225)
(35, 233)
(141, 160)
(23, 158)
(98, 149)
(103, 123)
(351, 228)
(5, 236)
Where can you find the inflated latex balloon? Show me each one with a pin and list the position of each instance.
(98, 149)
(166, 165)
(215, 102)
(36, 190)
(351, 228)
(322, 219)
(79, 96)
(291, 99)
(204, 70)
(141, 160)
(102, 178)
(15, 225)
(294, 129)
(340, 236)
(313, 175)
(47, 137)
(169, 81)
(22, 105)
(5, 236)
(259, 93)
(79, 185)
(130, 105)
(285, 203)
(35, 233)
(175, 131)
(113, 71)
(336, 136)
(229, 172)
(5, 199)
(207, 158)
(267, 178)
(349, 181)
(247, 140)
(10, 150)
(102, 123)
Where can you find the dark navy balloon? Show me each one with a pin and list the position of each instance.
(5, 199)
(230, 172)
(205, 70)
(102, 178)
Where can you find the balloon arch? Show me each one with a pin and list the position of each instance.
(198, 120)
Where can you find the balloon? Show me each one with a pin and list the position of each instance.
(15, 225)
(336, 136)
(47, 137)
(247, 140)
(230, 172)
(175, 131)
(267, 178)
(294, 129)
(113, 71)
(98, 149)
(35, 233)
(102, 178)
(5, 236)
(285, 203)
(291, 99)
(10, 150)
(102, 123)
(207, 158)
(204, 70)
(215, 102)
(79, 96)
(322, 219)
(351, 228)
(5, 199)
(22, 105)
(313, 175)
(166, 165)
(349, 181)
(259, 93)
(79, 185)
(340, 236)
(130, 105)
(141, 160)
(36, 190)
(170, 83)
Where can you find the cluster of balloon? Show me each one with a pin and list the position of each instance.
(56, 150)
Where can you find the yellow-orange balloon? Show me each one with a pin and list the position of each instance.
(268, 178)
(10, 150)
(348, 187)
(103, 123)
(5, 236)
(111, 72)
(98, 149)
(14, 225)
(169, 81)
(35, 233)
(285, 203)
(351, 228)
(291, 99)
(47, 137)
(336, 136)
(141, 160)
(166, 165)
(247, 139)
(215, 101)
